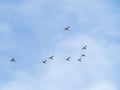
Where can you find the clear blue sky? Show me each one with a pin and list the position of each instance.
(33, 30)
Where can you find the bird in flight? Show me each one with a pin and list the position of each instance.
(84, 48)
(68, 59)
(80, 59)
(67, 28)
(83, 55)
(12, 60)
(51, 57)
(44, 61)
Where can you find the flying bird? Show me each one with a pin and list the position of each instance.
(84, 48)
(67, 28)
(80, 59)
(44, 61)
(83, 55)
(68, 59)
(51, 57)
(12, 60)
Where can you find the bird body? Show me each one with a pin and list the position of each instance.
(51, 57)
(44, 61)
(84, 48)
(66, 28)
(68, 59)
(83, 55)
(80, 59)
(12, 60)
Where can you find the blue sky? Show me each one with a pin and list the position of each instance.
(33, 30)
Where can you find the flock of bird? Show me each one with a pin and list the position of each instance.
(67, 59)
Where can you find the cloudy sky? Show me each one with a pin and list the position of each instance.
(33, 30)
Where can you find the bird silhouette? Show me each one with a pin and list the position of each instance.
(84, 48)
(80, 59)
(51, 57)
(12, 60)
(44, 61)
(67, 28)
(83, 55)
(68, 59)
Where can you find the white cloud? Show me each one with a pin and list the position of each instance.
(103, 86)
(91, 74)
